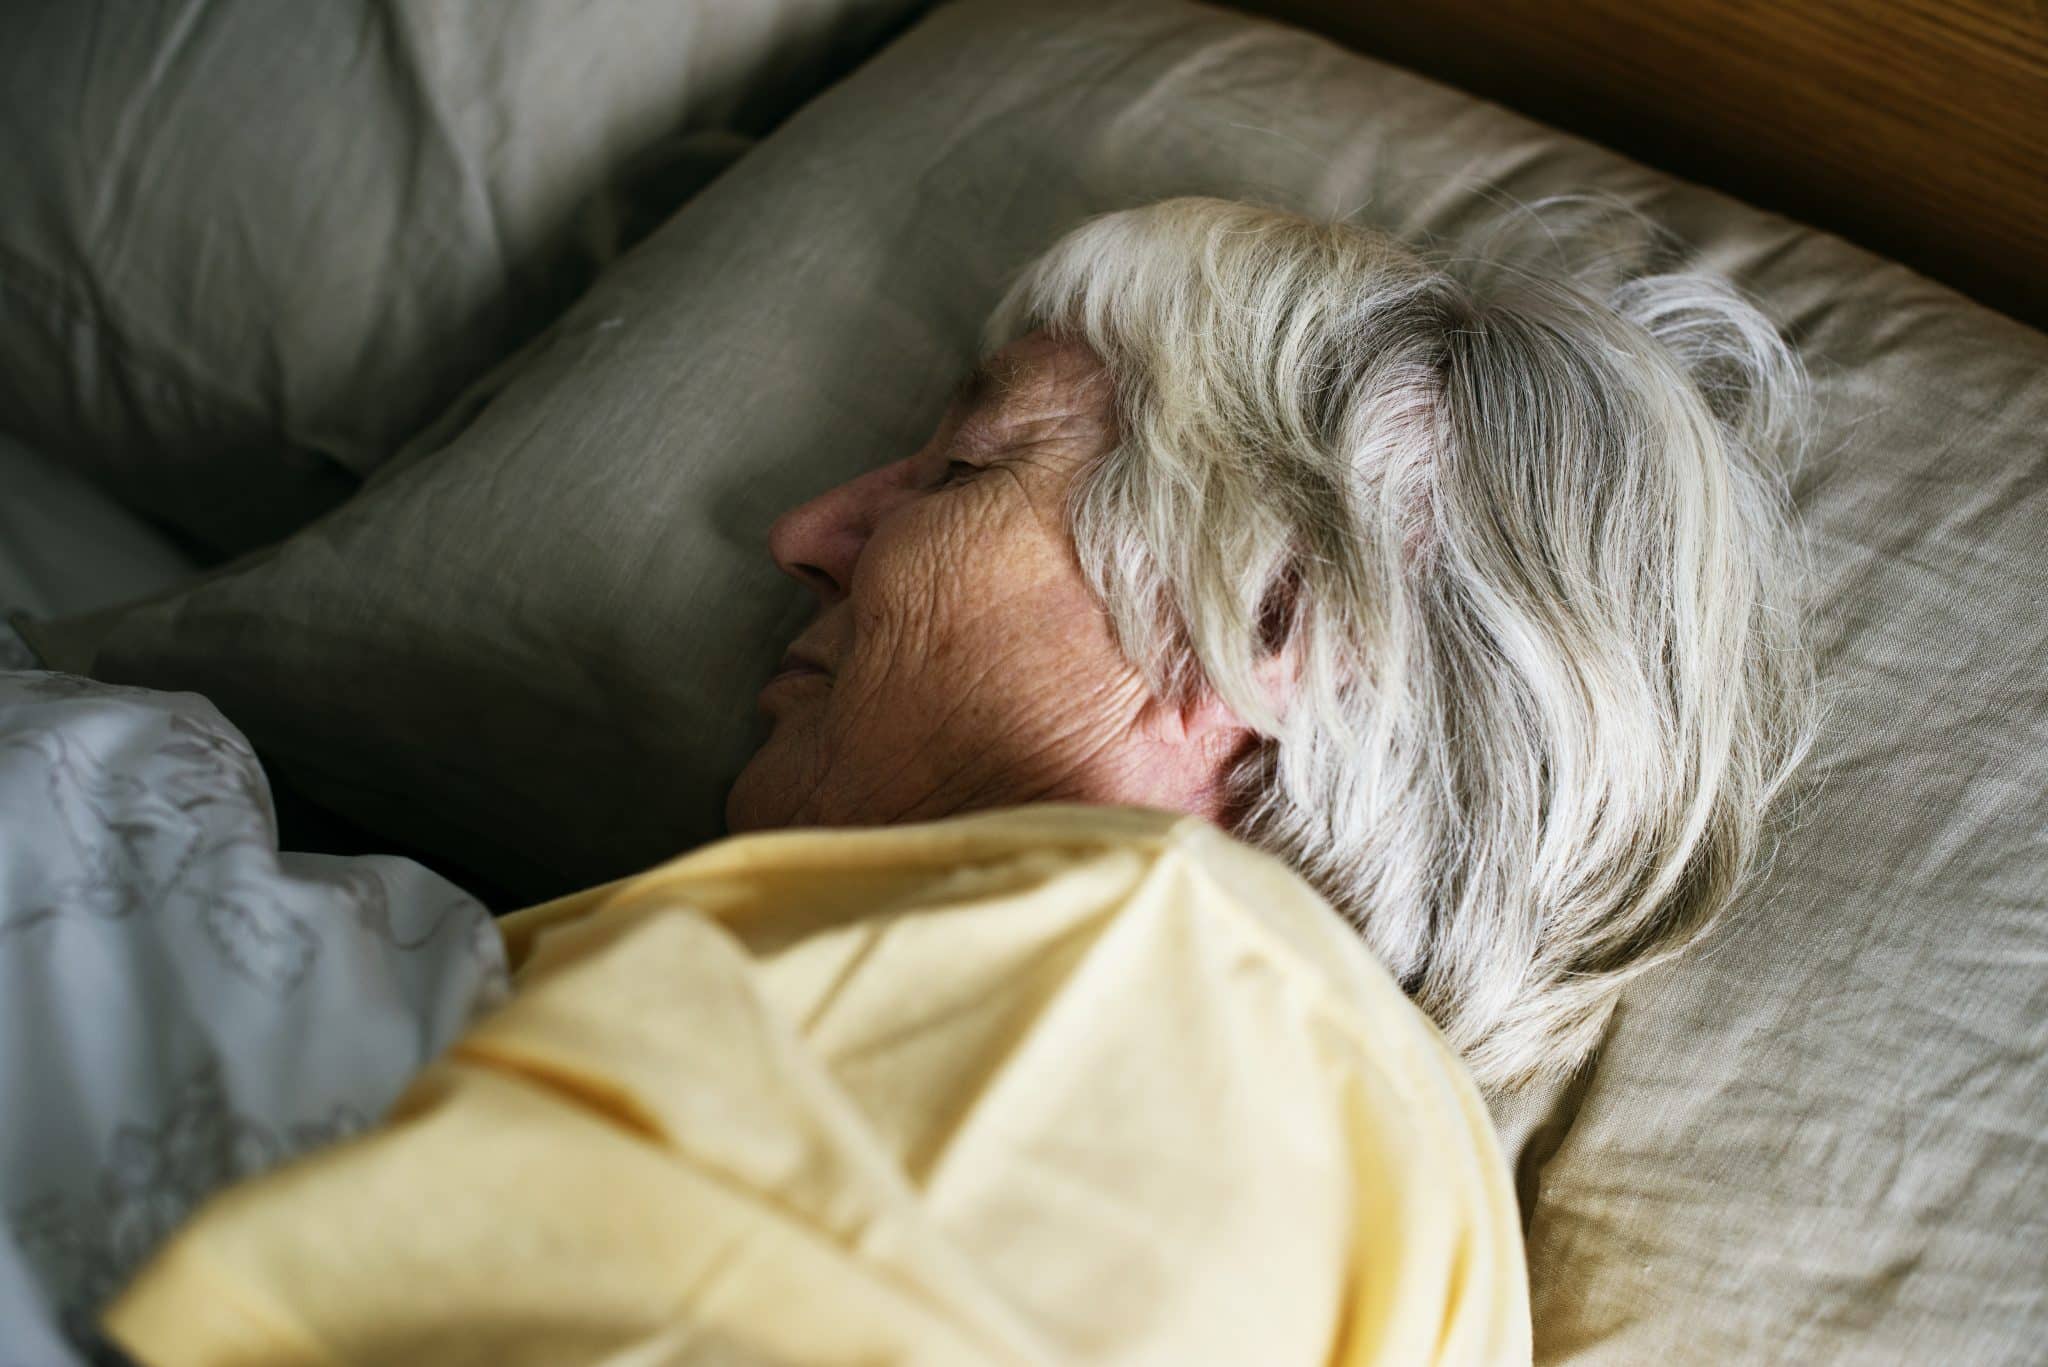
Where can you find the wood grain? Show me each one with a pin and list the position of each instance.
(1916, 128)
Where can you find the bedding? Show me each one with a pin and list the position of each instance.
(532, 645)
(1052, 1084)
(184, 1003)
(247, 248)
(66, 547)
(575, 582)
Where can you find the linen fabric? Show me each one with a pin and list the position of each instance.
(1053, 1084)
(247, 249)
(67, 548)
(534, 648)
(184, 1004)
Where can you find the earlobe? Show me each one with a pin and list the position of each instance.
(1206, 717)
(1218, 745)
(1275, 679)
(1208, 720)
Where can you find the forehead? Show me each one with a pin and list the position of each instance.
(1035, 377)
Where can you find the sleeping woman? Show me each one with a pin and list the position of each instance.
(1407, 654)
(1469, 602)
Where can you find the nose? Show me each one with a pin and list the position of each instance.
(818, 543)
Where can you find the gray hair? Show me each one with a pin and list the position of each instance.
(1520, 539)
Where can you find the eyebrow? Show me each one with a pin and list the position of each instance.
(982, 385)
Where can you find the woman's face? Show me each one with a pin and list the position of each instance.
(959, 659)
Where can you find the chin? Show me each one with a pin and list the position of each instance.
(758, 799)
(741, 812)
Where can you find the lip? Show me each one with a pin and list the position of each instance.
(794, 667)
(795, 661)
(796, 672)
(793, 682)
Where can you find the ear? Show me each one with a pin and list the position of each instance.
(1208, 720)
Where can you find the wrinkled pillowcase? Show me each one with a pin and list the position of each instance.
(247, 249)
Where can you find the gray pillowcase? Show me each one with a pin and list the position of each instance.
(535, 648)
(247, 249)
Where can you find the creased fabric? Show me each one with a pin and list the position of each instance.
(247, 249)
(180, 1003)
(1816, 1140)
(1055, 1084)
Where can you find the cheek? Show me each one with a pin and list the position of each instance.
(978, 662)
(977, 636)
(959, 585)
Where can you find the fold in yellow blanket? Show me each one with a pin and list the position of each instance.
(1053, 1084)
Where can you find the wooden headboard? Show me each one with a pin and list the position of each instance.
(1916, 128)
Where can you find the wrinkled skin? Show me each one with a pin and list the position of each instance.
(967, 663)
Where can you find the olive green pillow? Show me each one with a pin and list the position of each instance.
(246, 248)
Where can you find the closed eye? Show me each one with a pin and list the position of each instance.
(957, 471)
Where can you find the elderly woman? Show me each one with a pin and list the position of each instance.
(1469, 601)
(1461, 598)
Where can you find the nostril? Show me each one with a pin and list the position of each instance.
(817, 543)
(814, 576)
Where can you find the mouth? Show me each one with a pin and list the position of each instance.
(793, 668)
(795, 663)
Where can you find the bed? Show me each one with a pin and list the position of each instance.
(539, 558)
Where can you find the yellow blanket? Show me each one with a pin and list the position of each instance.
(1054, 1084)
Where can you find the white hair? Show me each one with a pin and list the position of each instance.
(1523, 545)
